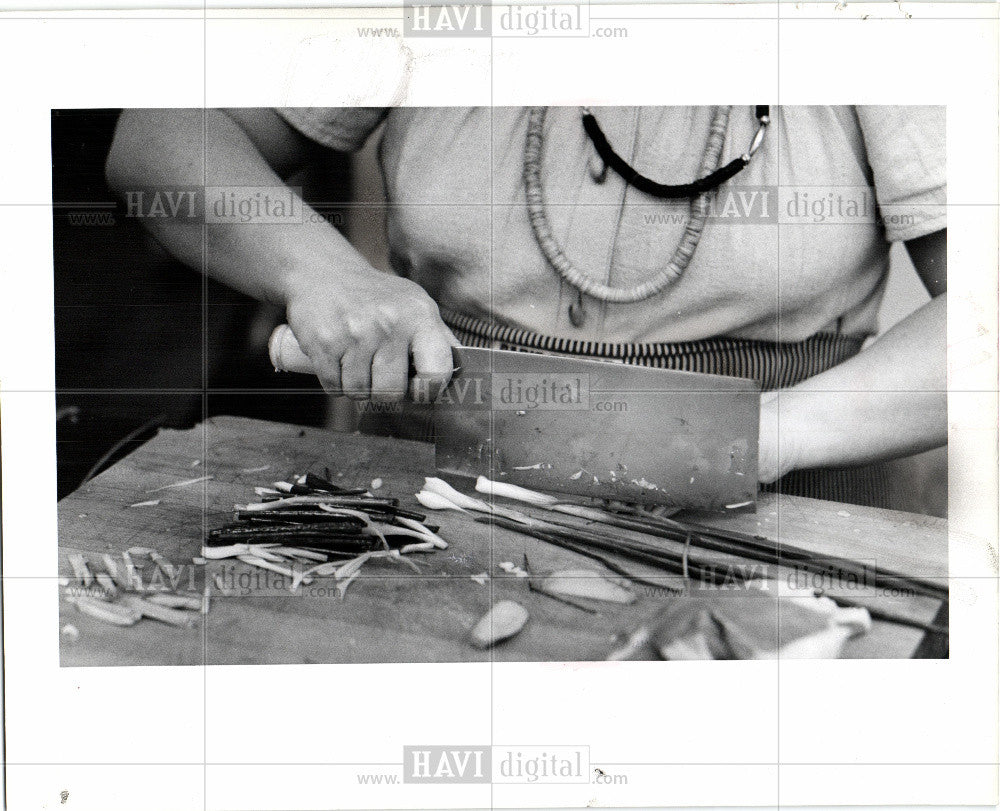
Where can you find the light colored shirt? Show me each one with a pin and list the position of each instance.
(797, 243)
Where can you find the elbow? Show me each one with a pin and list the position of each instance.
(141, 152)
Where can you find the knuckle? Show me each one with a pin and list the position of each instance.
(427, 308)
(365, 331)
(326, 337)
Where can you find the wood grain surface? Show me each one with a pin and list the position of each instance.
(391, 614)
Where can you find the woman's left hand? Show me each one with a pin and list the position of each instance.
(887, 401)
(775, 457)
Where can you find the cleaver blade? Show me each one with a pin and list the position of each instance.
(600, 429)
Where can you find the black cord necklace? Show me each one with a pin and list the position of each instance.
(633, 177)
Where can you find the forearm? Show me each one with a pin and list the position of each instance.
(360, 328)
(890, 400)
(167, 150)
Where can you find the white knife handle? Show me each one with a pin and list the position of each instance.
(286, 354)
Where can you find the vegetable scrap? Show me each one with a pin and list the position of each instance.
(113, 613)
(484, 485)
(644, 484)
(736, 544)
(755, 624)
(537, 584)
(116, 599)
(439, 495)
(584, 583)
(177, 601)
(171, 616)
(80, 569)
(504, 620)
(161, 563)
(434, 501)
(482, 578)
(310, 527)
(739, 547)
(185, 483)
(107, 583)
(513, 568)
(709, 627)
(441, 488)
(634, 645)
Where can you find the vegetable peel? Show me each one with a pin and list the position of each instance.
(504, 620)
(584, 583)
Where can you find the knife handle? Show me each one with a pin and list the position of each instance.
(286, 354)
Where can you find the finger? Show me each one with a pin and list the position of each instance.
(431, 349)
(390, 368)
(326, 366)
(356, 372)
(322, 350)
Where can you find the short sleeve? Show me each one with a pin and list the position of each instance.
(342, 128)
(906, 153)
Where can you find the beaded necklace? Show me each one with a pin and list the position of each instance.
(699, 191)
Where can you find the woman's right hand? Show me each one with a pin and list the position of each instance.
(360, 328)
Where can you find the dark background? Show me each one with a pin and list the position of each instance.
(142, 340)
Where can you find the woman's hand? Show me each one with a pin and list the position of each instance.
(889, 400)
(360, 327)
(775, 457)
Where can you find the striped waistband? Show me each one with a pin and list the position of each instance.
(772, 364)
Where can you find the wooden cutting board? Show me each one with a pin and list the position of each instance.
(390, 613)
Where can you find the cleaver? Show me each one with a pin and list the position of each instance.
(600, 429)
(593, 428)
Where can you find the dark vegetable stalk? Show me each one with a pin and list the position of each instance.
(580, 543)
(315, 482)
(381, 509)
(300, 540)
(304, 490)
(237, 533)
(759, 548)
(291, 516)
(413, 515)
(610, 564)
(703, 569)
(822, 564)
(356, 501)
(700, 569)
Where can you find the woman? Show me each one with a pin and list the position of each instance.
(564, 230)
